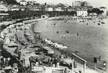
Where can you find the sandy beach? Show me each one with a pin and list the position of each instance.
(89, 38)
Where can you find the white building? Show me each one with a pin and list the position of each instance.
(3, 8)
(49, 9)
(23, 2)
(82, 13)
(59, 9)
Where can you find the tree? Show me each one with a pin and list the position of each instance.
(95, 10)
(10, 1)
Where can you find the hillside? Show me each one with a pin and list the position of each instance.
(10, 1)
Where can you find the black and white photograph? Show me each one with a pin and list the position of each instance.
(53, 36)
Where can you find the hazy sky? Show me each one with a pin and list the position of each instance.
(93, 2)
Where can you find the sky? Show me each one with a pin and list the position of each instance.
(96, 3)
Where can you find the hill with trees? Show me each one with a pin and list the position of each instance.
(10, 1)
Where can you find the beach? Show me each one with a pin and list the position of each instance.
(89, 38)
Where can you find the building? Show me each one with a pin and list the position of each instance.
(76, 3)
(22, 8)
(34, 7)
(31, 2)
(81, 7)
(14, 7)
(3, 8)
(70, 9)
(83, 10)
(80, 4)
(60, 7)
(49, 8)
(23, 2)
(82, 13)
